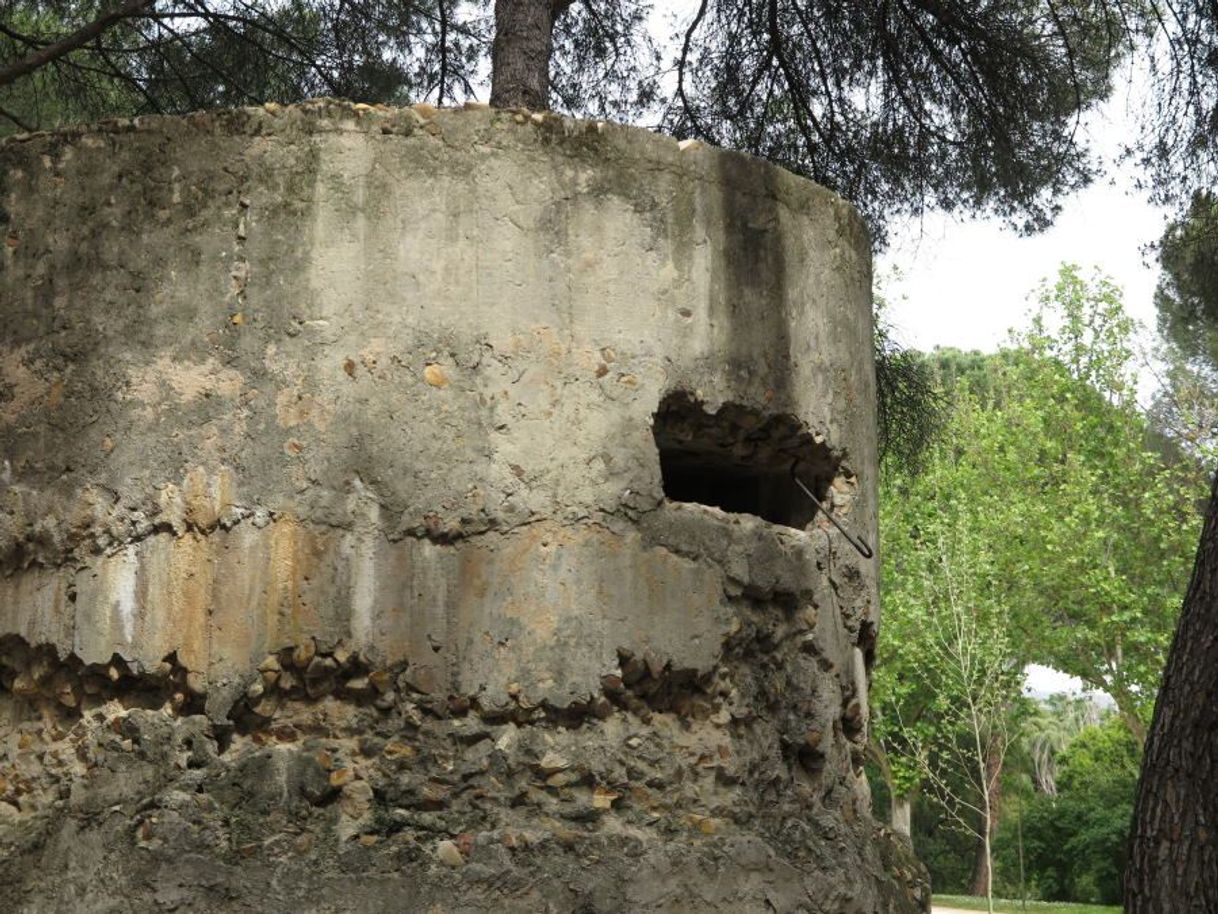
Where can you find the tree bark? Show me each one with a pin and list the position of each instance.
(520, 55)
(1173, 863)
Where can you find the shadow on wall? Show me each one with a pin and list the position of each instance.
(752, 308)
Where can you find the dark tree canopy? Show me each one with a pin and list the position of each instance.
(172, 57)
(1187, 296)
(1178, 148)
(899, 105)
(176, 55)
(910, 409)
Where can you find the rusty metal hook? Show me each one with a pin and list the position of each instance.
(858, 543)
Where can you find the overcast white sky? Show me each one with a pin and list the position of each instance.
(966, 283)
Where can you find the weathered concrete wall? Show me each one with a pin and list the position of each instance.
(330, 497)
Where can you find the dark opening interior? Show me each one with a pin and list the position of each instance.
(736, 488)
(739, 460)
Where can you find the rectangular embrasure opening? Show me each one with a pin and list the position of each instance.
(739, 460)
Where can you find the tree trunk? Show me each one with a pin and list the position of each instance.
(979, 884)
(1134, 725)
(902, 816)
(900, 811)
(1173, 862)
(982, 875)
(520, 56)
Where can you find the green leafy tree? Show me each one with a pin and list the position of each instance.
(970, 669)
(1046, 732)
(1031, 781)
(948, 675)
(1077, 839)
(1045, 483)
(1089, 520)
(1095, 549)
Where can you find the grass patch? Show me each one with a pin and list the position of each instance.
(1006, 906)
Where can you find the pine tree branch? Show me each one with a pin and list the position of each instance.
(70, 43)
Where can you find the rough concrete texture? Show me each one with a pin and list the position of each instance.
(337, 571)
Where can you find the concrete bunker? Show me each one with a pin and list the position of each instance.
(740, 460)
(332, 573)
